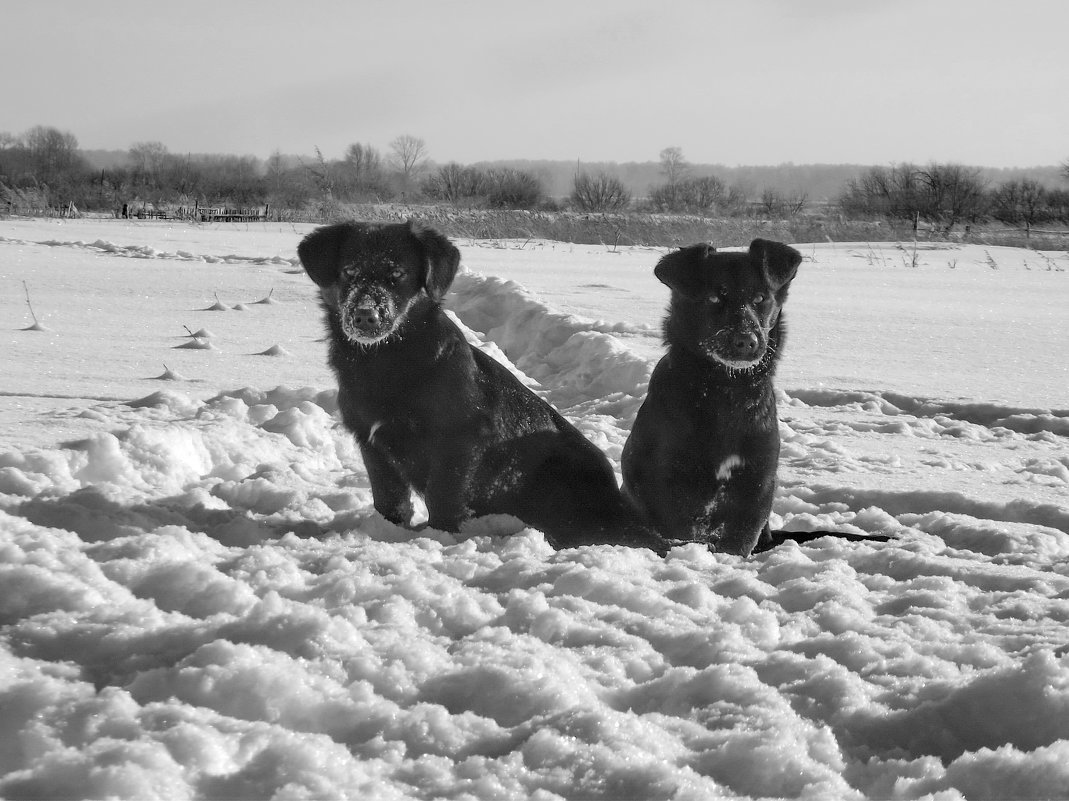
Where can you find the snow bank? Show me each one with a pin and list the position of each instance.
(197, 599)
(579, 360)
(149, 252)
(987, 415)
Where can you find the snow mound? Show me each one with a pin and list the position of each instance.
(170, 375)
(576, 360)
(274, 350)
(988, 415)
(196, 344)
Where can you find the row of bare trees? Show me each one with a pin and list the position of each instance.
(947, 195)
(708, 194)
(498, 188)
(46, 163)
(42, 156)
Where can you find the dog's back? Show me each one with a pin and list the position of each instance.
(541, 469)
(700, 462)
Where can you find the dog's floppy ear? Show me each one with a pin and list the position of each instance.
(682, 270)
(443, 260)
(777, 261)
(319, 252)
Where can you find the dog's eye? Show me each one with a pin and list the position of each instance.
(759, 299)
(397, 274)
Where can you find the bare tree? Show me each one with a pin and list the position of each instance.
(952, 194)
(275, 169)
(599, 192)
(148, 157)
(321, 174)
(706, 193)
(736, 198)
(509, 188)
(54, 153)
(287, 182)
(770, 202)
(410, 156)
(236, 179)
(456, 183)
(148, 160)
(673, 166)
(693, 195)
(893, 192)
(775, 203)
(1022, 201)
(796, 203)
(363, 161)
(945, 194)
(361, 174)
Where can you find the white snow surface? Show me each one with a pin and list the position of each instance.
(197, 599)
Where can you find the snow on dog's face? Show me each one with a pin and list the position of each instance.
(370, 276)
(725, 305)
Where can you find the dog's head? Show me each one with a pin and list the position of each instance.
(726, 305)
(370, 276)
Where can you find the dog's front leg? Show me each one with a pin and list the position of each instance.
(449, 487)
(736, 530)
(668, 504)
(392, 494)
(738, 516)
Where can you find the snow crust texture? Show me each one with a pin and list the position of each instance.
(197, 599)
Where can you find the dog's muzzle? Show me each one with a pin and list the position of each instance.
(366, 319)
(738, 350)
(745, 347)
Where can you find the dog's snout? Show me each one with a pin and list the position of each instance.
(745, 344)
(366, 317)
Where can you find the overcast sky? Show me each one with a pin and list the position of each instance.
(982, 82)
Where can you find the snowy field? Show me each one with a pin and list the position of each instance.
(197, 599)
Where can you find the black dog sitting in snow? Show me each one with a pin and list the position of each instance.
(700, 462)
(435, 415)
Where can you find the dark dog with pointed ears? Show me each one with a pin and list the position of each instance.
(436, 416)
(700, 462)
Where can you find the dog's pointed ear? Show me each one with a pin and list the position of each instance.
(779, 262)
(682, 270)
(442, 260)
(319, 252)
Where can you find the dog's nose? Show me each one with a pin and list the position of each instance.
(366, 317)
(745, 345)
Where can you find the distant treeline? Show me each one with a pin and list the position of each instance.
(823, 183)
(44, 168)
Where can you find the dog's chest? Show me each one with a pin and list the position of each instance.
(719, 412)
(720, 429)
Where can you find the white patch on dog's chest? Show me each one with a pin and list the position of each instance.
(727, 467)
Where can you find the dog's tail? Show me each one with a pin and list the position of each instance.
(778, 537)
